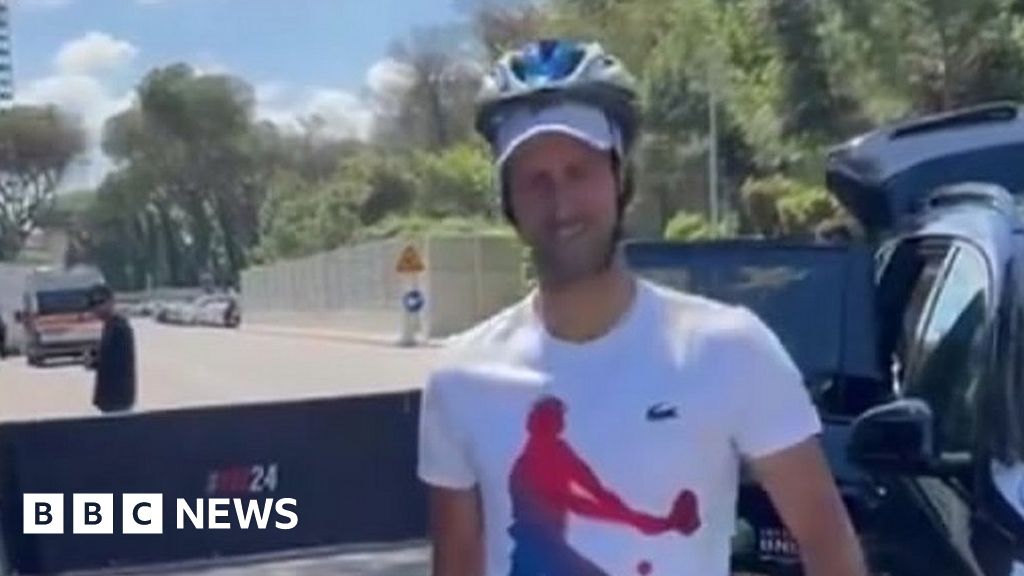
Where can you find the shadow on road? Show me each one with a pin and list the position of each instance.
(59, 363)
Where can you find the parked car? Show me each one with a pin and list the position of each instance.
(58, 316)
(220, 310)
(940, 196)
(172, 312)
(910, 340)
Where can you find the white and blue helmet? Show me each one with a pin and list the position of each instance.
(563, 86)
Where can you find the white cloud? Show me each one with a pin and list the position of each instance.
(389, 76)
(206, 63)
(344, 115)
(78, 88)
(78, 94)
(92, 53)
(87, 99)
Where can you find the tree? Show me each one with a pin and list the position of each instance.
(300, 218)
(777, 206)
(387, 184)
(37, 145)
(208, 118)
(500, 28)
(456, 182)
(917, 56)
(815, 107)
(435, 109)
(197, 166)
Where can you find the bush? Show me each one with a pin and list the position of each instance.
(456, 182)
(686, 226)
(419, 225)
(691, 226)
(779, 206)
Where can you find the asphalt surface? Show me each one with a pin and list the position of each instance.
(192, 366)
(186, 366)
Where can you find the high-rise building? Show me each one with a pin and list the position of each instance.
(6, 56)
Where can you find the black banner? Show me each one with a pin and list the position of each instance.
(349, 464)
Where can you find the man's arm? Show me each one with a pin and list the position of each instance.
(775, 428)
(457, 534)
(803, 491)
(445, 465)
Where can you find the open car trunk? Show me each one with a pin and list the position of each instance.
(882, 176)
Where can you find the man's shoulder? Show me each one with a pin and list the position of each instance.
(487, 344)
(709, 320)
(496, 330)
(693, 309)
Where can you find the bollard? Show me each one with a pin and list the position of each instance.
(409, 266)
(412, 303)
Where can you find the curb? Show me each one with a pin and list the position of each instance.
(337, 336)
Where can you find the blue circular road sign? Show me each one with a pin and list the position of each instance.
(413, 301)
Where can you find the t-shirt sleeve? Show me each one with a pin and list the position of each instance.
(443, 456)
(771, 406)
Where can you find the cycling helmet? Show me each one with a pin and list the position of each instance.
(564, 77)
(558, 71)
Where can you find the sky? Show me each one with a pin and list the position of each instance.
(301, 56)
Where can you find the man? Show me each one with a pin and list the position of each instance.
(114, 390)
(598, 426)
(3, 337)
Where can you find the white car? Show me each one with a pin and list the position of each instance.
(216, 310)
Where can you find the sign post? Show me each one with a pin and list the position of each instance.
(410, 265)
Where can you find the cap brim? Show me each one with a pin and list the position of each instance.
(584, 123)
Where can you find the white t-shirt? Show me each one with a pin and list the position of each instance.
(618, 456)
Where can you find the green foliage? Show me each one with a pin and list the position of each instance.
(420, 225)
(200, 185)
(778, 206)
(456, 182)
(195, 165)
(687, 226)
(37, 145)
(300, 218)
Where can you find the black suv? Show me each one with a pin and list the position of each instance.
(911, 345)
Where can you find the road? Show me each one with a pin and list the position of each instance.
(189, 366)
(185, 366)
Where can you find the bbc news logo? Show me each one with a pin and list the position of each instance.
(144, 514)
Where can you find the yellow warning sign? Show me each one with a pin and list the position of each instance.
(409, 262)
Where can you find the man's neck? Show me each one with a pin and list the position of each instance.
(587, 309)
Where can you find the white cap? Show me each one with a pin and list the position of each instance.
(585, 123)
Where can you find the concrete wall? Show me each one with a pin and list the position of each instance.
(357, 287)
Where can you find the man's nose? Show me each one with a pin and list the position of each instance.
(565, 202)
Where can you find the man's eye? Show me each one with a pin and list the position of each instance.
(540, 183)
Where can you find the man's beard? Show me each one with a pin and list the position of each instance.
(559, 265)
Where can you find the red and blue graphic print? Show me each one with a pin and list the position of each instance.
(550, 481)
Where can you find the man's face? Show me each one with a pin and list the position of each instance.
(563, 194)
